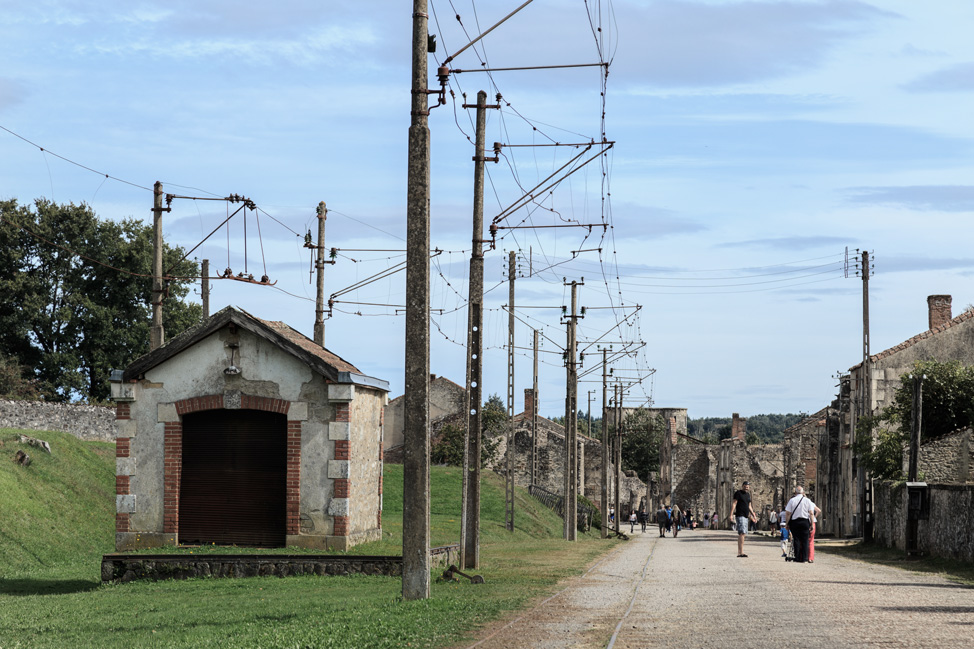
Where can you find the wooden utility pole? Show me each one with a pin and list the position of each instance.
(604, 502)
(205, 287)
(914, 465)
(320, 268)
(509, 480)
(534, 415)
(571, 425)
(470, 516)
(416, 425)
(157, 335)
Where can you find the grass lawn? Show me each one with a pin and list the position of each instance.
(57, 521)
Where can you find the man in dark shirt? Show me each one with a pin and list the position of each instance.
(741, 513)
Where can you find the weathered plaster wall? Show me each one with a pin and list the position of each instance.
(366, 464)
(88, 423)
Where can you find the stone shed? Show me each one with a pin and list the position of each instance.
(243, 431)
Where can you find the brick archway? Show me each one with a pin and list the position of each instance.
(173, 454)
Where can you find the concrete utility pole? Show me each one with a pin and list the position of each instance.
(470, 523)
(534, 415)
(865, 402)
(416, 424)
(205, 287)
(571, 426)
(320, 268)
(604, 502)
(618, 451)
(157, 335)
(509, 480)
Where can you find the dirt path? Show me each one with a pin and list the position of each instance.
(693, 591)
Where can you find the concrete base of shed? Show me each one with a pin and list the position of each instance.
(125, 541)
(332, 543)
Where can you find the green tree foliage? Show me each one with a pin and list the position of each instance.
(641, 441)
(947, 406)
(14, 382)
(69, 319)
(451, 443)
(766, 429)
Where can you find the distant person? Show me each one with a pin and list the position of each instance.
(632, 520)
(706, 520)
(669, 518)
(811, 540)
(798, 513)
(713, 520)
(773, 522)
(661, 520)
(783, 527)
(643, 519)
(677, 520)
(742, 514)
(612, 514)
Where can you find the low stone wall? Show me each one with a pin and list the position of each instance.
(131, 567)
(949, 532)
(88, 423)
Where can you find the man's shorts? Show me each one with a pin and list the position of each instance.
(741, 524)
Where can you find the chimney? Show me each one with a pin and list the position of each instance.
(938, 310)
(528, 401)
(737, 427)
(671, 425)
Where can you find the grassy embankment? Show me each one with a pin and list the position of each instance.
(57, 519)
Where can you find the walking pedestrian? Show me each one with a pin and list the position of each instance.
(773, 522)
(661, 520)
(799, 512)
(741, 514)
(811, 540)
(643, 519)
(706, 520)
(783, 527)
(612, 514)
(713, 520)
(632, 520)
(677, 520)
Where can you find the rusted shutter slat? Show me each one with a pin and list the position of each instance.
(233, 483)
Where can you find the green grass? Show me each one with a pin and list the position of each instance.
(57, 521)
(57, 515)
(959, 572)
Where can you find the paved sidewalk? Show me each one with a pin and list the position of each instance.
(693, 591)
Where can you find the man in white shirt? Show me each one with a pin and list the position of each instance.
(798, 516)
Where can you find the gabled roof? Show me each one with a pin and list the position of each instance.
(929, 333)
(291, 341)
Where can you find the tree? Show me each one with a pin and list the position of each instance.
(70, 319)
(451, 442)
(948, 405)
(14, 383)
(641, 440)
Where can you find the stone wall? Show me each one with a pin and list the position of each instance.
(949, 532)
(761, 466)
(695, 470)
(88, 423)
(947, 459)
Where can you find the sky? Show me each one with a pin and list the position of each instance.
(759, 147)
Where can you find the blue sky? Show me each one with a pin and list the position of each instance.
(755, 143)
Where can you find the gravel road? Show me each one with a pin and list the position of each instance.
(693, 591)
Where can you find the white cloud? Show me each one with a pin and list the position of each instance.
(955, 78)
